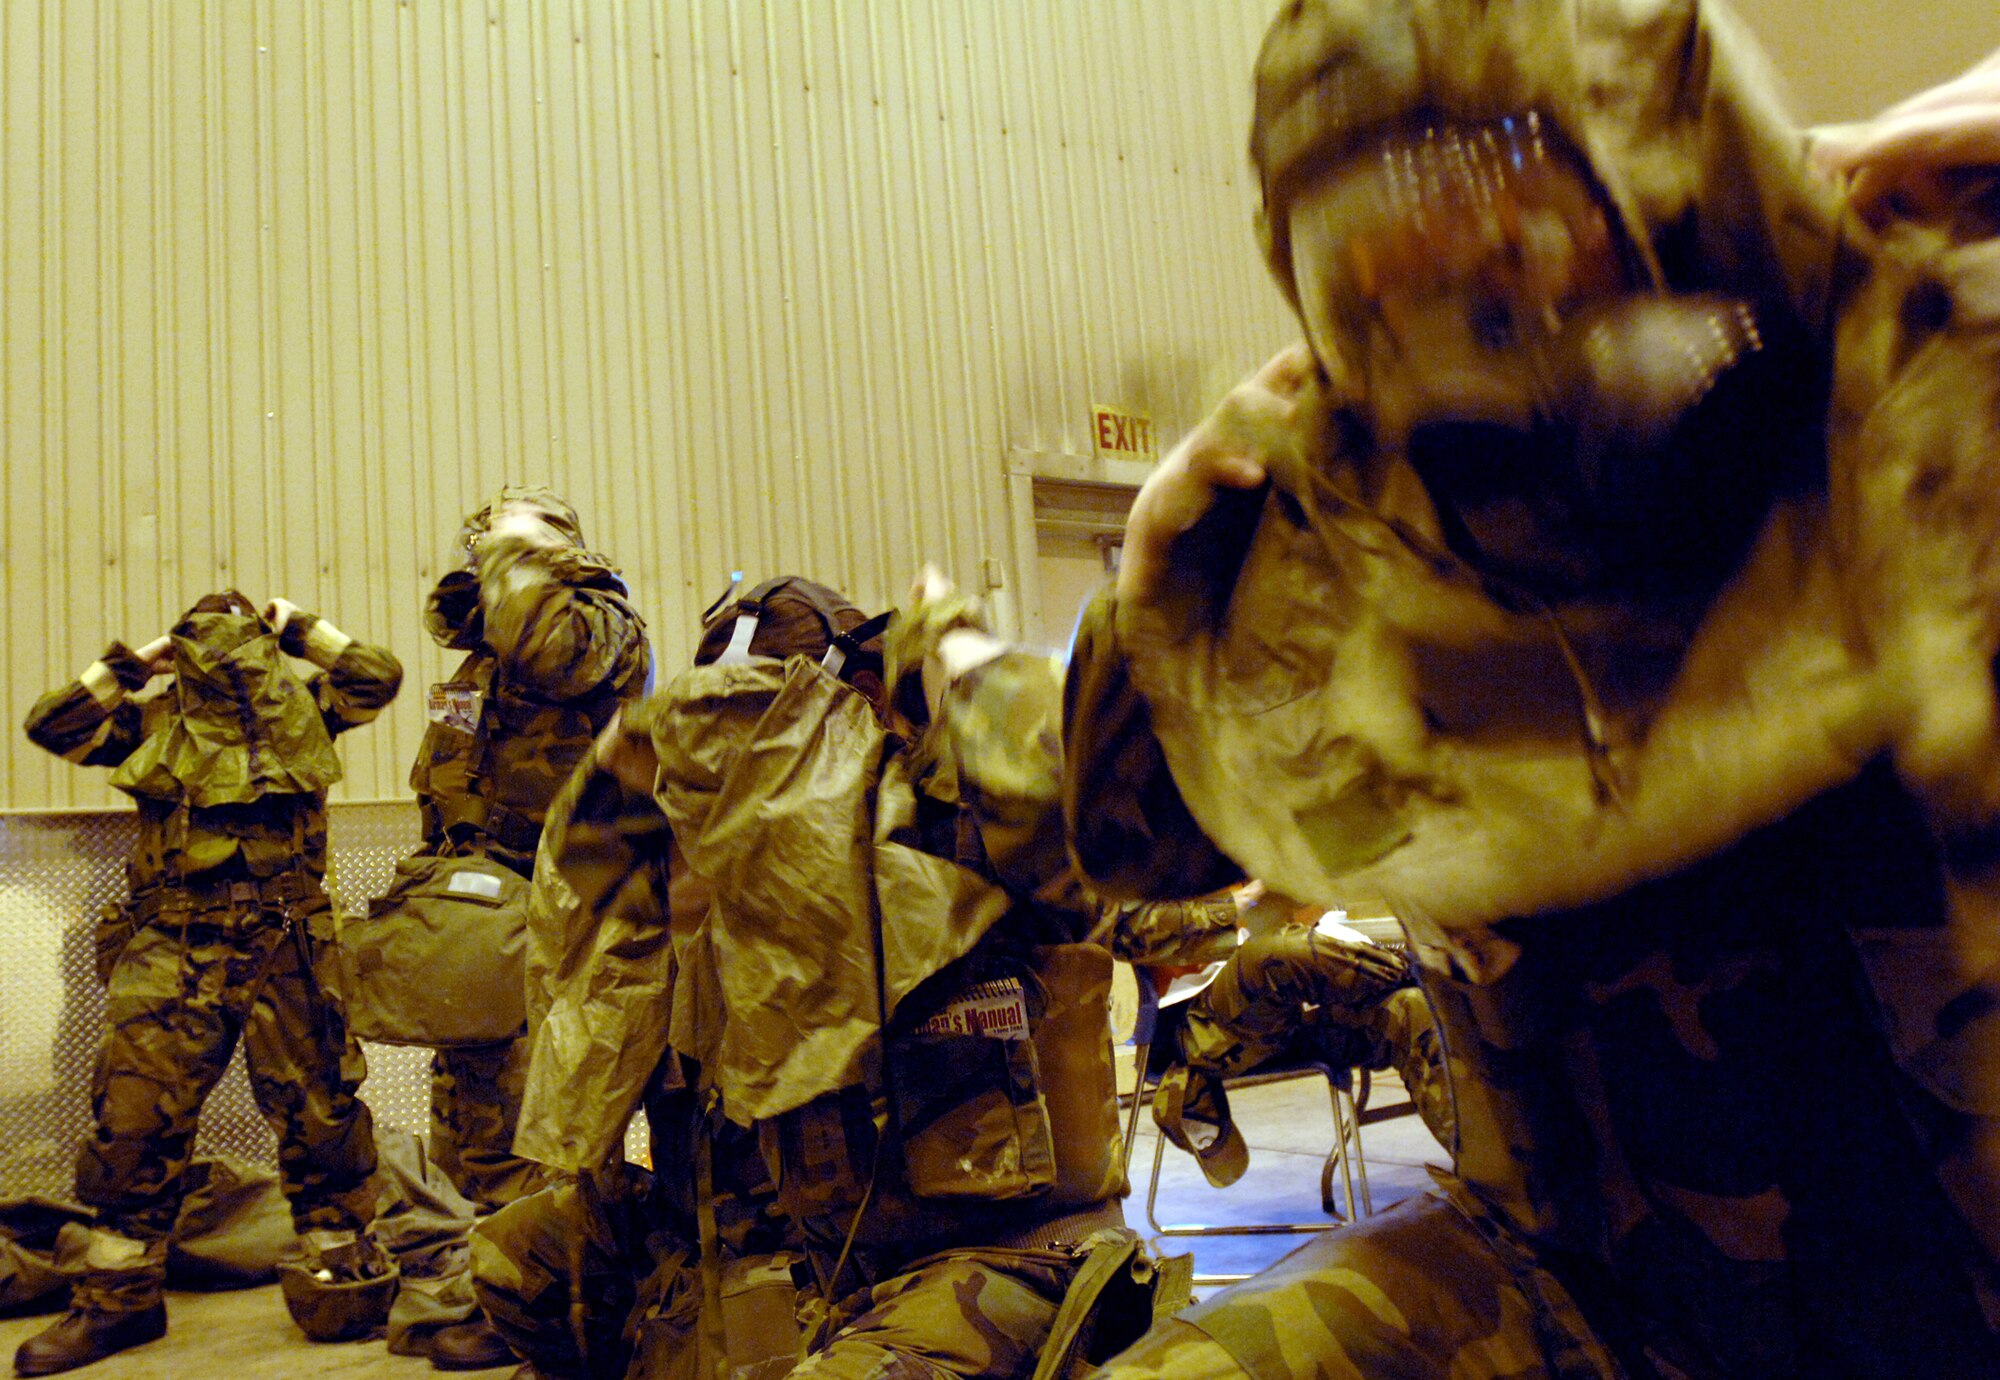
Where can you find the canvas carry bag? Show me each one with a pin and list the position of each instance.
(437, 961)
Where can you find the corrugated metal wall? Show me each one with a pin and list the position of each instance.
(286, 288)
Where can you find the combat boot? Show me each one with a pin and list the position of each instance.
(341, 1287)
(114, 1305)
(474, 1344)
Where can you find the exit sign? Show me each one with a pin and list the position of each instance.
(1121, 435)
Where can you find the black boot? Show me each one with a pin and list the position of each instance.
(471, 1345)
(84, 1334)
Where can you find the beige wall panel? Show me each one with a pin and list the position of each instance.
(286, 288)
(1847, 59)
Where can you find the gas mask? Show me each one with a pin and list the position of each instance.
(540, 507)
(1470, 282)
(212, 632)
(246, 725)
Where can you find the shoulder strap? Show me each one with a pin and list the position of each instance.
(839, 645)
(846, 644)
(749, 612)
(735, 583)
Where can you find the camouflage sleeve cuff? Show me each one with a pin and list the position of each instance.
(102, 685)
(313, 639)
(362, 680)
(292, 640)
(503, 563)
(1173, 931)
(122, 664)
(452, 612)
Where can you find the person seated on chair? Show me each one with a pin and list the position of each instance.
(1297, 994)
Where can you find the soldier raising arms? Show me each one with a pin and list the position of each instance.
(230, 768)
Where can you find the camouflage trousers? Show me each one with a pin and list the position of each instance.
(561, 1273)
(1361, 1008)
(179, 998)
(1431, 1288)
(475, 1104)
(970, 1313)
(582, 1283)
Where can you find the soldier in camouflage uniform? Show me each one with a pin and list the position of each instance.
(553, 647)
(1610, 592)
(594, 1275)
(229, 768)
(971, 1287)
(1296, 994)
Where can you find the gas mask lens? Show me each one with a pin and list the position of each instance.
(1442, 265)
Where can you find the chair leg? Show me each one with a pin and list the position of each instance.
(1140, 1053)
(1197, 1229)
(1346, 1155)
(1336, 1161)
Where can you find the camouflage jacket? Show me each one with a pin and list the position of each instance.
(554, 647)
(93, 723)
(1703, 894)
(627, 968)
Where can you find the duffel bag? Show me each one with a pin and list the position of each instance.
(437, 961)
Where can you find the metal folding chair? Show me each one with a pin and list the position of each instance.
(1347, 1096)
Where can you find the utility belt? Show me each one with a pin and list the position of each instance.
(204, 895)
(227, 902)
(1064, 1229)
(472, 814)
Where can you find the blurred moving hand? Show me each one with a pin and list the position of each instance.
(1904, 157)
(1226, 451)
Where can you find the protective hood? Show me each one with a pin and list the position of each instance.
(246, 726)
(554, 508)
(1667, 101)
(1422, 733)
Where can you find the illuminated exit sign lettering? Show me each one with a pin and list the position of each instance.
(1122, 435)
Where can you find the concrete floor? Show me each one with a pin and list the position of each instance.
(246, 1335)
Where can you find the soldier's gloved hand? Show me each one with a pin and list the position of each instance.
(627, 752)
(305, 635)
(158, 655)
(961, 646)
(522, 522)
(1905, 157)
(1225, 452)
(931, 586)
(279, 613)
(914, 656)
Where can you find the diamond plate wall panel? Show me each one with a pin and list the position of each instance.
(55, 871)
